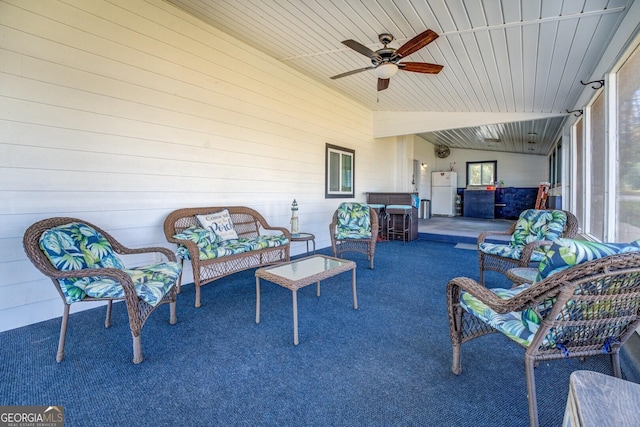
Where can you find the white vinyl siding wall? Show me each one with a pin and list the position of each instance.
(119, 112)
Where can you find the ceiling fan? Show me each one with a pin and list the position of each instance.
(442, 151)
(386, 61)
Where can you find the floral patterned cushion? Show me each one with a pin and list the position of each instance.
(211, 246)
(534, 225)
(520, 326)
(508, 251)
(204, 238)
(76, 246)
(242, 245)
(353, 221)
(565, 253)
(150, 282)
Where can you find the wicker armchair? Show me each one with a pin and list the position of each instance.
(585, 310)
(533, 229)
(81, 261)
(354, 228)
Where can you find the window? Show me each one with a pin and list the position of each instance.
(580, 171)
(552, 168)
(339, 178)
(597, 166)
(628, 172)
(482, 173)
(559, 163)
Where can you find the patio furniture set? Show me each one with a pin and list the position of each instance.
(581, 299)
(82, 259)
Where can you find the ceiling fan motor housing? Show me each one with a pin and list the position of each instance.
(385, 55)
(386, 38)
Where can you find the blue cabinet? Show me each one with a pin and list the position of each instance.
(479, 203)
(511, 201)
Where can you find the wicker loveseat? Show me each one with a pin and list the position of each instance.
(257, 243)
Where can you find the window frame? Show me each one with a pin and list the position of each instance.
(346, 162)
(494, 163)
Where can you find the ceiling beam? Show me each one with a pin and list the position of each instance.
(395, 123)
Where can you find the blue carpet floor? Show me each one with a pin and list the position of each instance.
(385, 364)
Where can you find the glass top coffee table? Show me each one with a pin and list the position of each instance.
(302, 272)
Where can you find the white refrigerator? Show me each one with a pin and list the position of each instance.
(444, 188)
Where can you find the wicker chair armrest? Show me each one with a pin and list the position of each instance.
(519, 302)
(482, 236)
(528, 249)
(152, 249)
(192, 247)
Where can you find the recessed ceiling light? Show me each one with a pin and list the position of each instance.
(531, 149)
(492, 140)
(531, 142)
(532, 133)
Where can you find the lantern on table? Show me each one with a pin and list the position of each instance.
(294, 218)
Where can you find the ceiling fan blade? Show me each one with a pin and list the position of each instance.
(360, 48)
(416, 43)
(383, 84)
(420, 67)
(348, 73)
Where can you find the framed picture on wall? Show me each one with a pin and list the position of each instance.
(339, 172)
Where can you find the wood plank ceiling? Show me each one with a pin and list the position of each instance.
(499, 56)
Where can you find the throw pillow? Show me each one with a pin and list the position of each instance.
(220, 223)
(566, 253)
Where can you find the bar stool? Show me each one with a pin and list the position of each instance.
(382, 218)
(397, 224)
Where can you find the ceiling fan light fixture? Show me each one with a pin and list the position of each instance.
(385, 71)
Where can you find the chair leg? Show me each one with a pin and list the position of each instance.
(173, 318)
(531, 391)
(615, 363)
(456, 365)
(197, 295)
(455, 327)
(179, 282)
(137, 349)
(107, 320)
(63, 333)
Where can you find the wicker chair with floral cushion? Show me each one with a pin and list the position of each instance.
(533, 228)
(354, 228)
(82, 262)
(585, 302)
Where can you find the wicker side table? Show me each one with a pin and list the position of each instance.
(305, 237)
